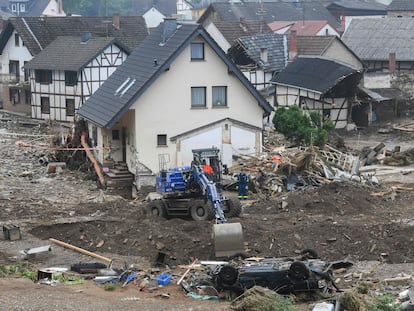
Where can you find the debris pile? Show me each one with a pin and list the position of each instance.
(286, 169)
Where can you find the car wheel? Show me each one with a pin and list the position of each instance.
(157, 208)
(309, 253)
(201, 211)
(299, 271)
(228, 275)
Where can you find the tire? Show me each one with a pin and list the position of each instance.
(228, 275)
(233, 208)
(201, 210)
(309, 253)
(157, 208)
(299, 271)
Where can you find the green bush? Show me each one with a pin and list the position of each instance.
(300, 127)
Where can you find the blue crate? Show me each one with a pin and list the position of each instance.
(164, 279)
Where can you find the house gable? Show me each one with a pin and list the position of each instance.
(75, 68)
(144, 66)
(328, 46)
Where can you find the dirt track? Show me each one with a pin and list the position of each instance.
(339, 220)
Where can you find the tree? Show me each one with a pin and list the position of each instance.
(302, 128)
(97, 7)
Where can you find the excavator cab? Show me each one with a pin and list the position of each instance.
(211, 156)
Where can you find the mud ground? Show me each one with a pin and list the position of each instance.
(340, 220)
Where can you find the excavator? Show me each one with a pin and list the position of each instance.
(188, 191)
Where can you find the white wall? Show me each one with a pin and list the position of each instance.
(287, 96)
(153, 18)
(12, 52)
(165, 108)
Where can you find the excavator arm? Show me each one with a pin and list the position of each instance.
(209, 189)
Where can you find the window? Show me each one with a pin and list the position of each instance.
(94, 136)
(43, 76)
(115, 134)
(14, 7)
(70, 107)
(197, 51)
(44, 105)
(198, 97)
(162, 140)
(22, 7)
(71, 78)
(219, 96)
(14, 69)
(16, 39)
(14, 96)
(26, 72)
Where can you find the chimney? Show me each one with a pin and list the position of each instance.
(293, 45)
(60, 7)
(243, 24)
(170, 27)
(264, 54)
(115, 21)
(392, 63)
(86, 36)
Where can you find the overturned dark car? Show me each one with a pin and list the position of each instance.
(284, 275)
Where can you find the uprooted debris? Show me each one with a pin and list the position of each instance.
(259, 298)
(287, 169)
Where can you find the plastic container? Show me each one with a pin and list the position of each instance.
(164, 279)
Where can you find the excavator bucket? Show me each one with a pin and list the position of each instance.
(228, 239)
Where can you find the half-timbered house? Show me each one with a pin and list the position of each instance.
(65, 74)
(317, 84)
(25, 37)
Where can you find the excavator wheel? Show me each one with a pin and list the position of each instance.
(233, 208)
(157, 208)
(201, 210)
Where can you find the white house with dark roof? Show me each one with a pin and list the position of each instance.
(177, 91)
(68, 71)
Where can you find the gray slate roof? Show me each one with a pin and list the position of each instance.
(276, 50)
(271, 11)
(360, 5)
(314, 73)
(401, 5)
(106, 106)
(375, 38)
(313, 45)
(69, 53)
(166, 7)
(37, 33)
(234, 30)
